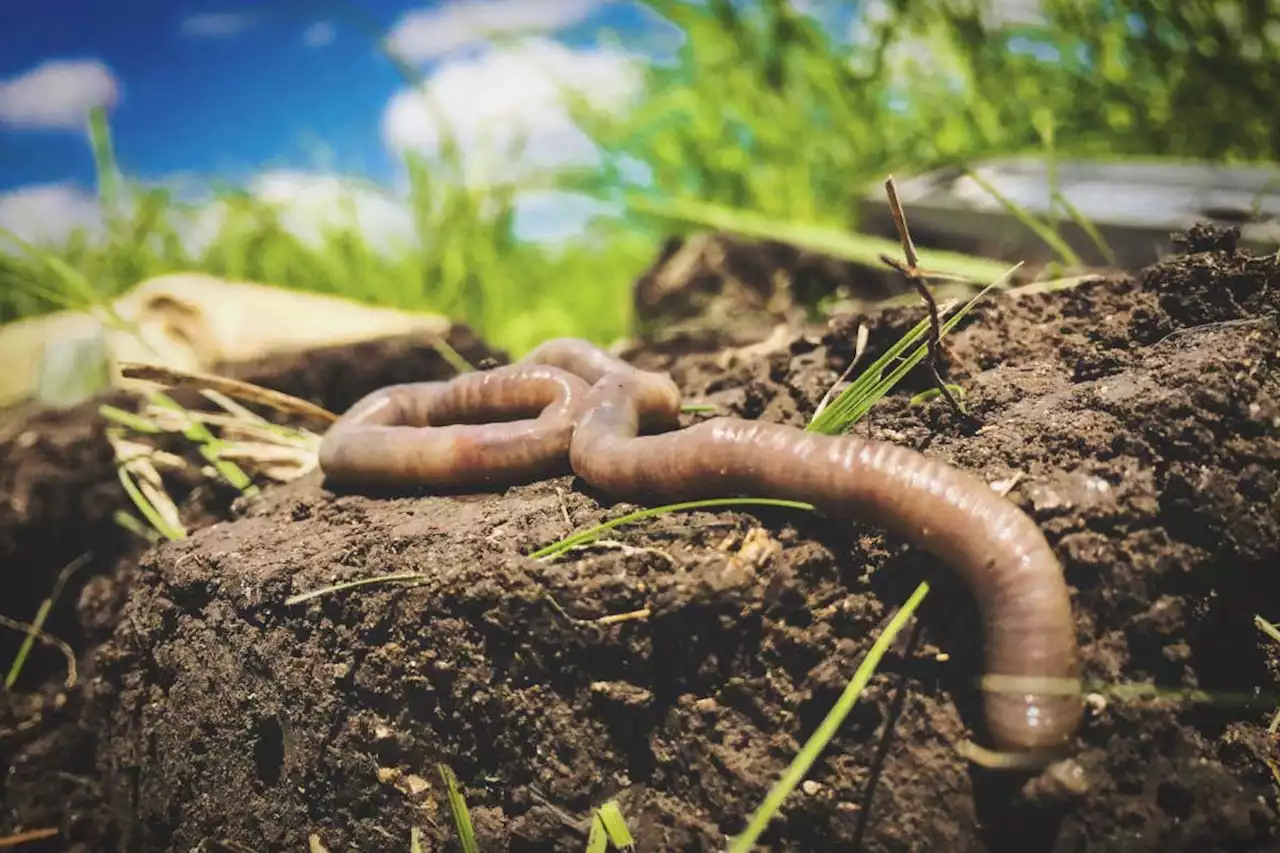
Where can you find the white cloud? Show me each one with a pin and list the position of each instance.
(57, 94)
(216, 24)
(994, 14)
(872, 15)
(427, 34)
(312, 203)
(511, 96)
(319, 34)
(811, 8)
(551, 216)
(48, 214)
(1015, 13)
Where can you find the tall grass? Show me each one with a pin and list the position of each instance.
(767, 110)
(762, 109)
(463, 259)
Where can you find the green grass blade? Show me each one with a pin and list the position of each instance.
(852, 404)
(1050, 237)
(208, 446)
(133, 524)
(584, 536)
(860, 248)
(1087, 226)
(597, 838)
(104, 160)
(137, 423)
(20, 659)
(932, 393)
(461, 815)
(144, 506)
(838, 415)
(404, 577)
(609, 827)
(828, 728)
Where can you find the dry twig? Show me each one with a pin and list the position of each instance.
(918, 277)
(235, 388)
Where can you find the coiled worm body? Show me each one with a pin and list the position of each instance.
(502, 426)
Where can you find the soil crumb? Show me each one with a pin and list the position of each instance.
(1136, 418)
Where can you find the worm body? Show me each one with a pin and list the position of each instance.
(594, 409)
(579, 357)
(507, 425)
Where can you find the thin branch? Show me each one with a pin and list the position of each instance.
(913, 273)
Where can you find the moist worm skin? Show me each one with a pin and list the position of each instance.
(997, 550)
(594, 407)
(459, 432)
(579, 357)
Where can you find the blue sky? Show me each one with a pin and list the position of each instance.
(222, 87)
(235, 89)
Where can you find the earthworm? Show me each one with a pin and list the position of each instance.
(440, 433)
(1032, 699)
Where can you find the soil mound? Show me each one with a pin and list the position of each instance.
(1138, 419)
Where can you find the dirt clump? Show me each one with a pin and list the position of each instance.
(1137, 419)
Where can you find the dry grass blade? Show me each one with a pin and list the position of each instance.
(164, 517)
(1054, 285)
(611, 619)
(27, 837)
(918, 277)
(859, 351)
(1272, 632)
(35, 633)
(235, 388)
(136, 468)
(34, 630)
(827, 729)
(207, 444)
(409, 578)
(458, 808)
(590, 534)
(265, 453)
(128, 452)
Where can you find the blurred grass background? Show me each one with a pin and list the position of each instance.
(761, 110)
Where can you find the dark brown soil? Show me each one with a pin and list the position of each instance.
(1141, 417)
(58, 487)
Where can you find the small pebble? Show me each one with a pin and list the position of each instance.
(415, 786)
